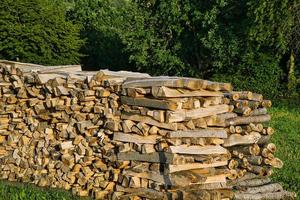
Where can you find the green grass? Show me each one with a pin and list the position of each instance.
(19, 191)
(285, 120)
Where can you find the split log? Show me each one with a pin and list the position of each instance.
(150, 103)
(150, 121)
(185, 115)
(156, 157)
(172, 82)
(236, 139)
(162, 92)
(200, 133)
(189, 166)
(197, 150)
(133, 138)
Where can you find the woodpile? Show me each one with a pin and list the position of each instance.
(127, 135)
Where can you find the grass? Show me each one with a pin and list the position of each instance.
(19, 191)
(285, 120)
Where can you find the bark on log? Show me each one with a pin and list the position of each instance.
(266, 196)
(248, 120)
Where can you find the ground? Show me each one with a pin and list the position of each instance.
(285, 120)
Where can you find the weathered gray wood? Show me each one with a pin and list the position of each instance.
(176, 179)
(156, 157)
(203, 133)
(262, 196)
(151, 103)
(259, 111)
(133, 138)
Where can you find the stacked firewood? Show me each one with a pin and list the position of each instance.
(53, 127)
(168, 133)
(127, 135)
(252, 154)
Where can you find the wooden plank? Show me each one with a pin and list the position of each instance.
(133, 138)
(190, 166)
(185, 115)
(29, 67)
(156, 157)
(173, 82)
(220, 178)
(107, 74)
(198, 150)
(151, 103)
(155, 81)
(150, 121)
(200, 133)
(61, 68)
(44, 78)
(177, 179)
(169, 92)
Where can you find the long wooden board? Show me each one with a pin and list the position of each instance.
(155, 157)
(189, 166)
(134, 138)
(185, 115)
(170, 92)
(151, 103)
(198, 150)
(173, 82)
(200, 133)
(169, 179)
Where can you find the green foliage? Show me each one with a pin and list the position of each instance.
(240, 40)
(37, 31)
(101, 21)
(258, 73)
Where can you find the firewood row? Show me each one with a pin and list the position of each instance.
(127, 135)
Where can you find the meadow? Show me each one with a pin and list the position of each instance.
(285, 120)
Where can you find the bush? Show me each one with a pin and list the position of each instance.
(260, 73)
(37, 31)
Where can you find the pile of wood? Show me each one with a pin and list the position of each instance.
(127, 135)
(252, 154)
(168, 133)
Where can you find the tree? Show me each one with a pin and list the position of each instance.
(237, 41)
(37, 31)
(101, 23)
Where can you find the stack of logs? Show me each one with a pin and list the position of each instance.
(127, 135)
